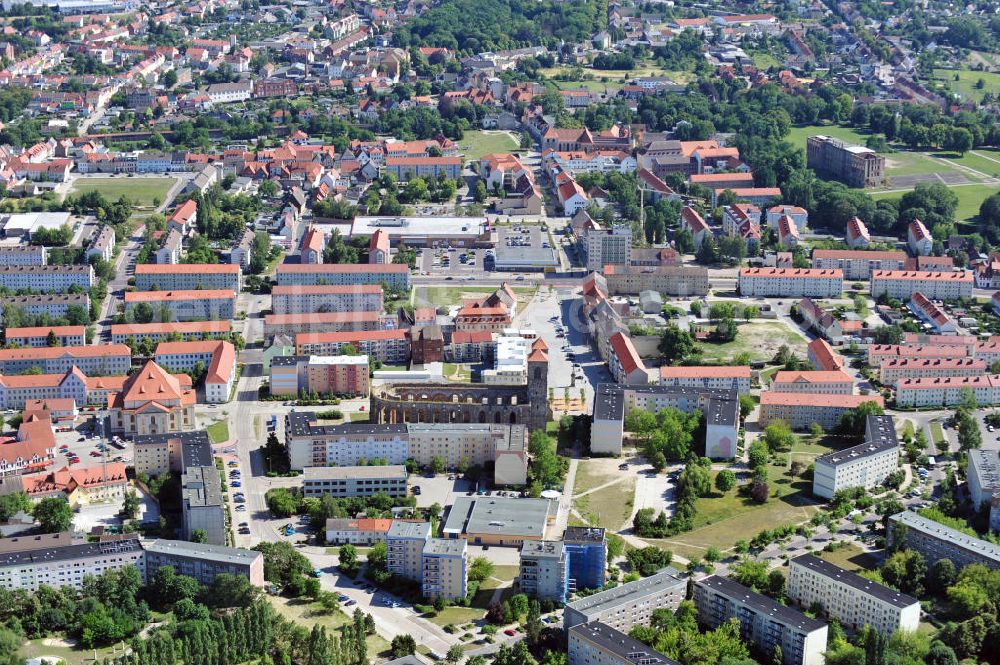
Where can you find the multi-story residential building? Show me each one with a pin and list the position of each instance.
(866, 465)
(169, 252)
(742, 220)
(598, 644)
(630, 604)
(930, 313)
(902, 284)
(202, 506)
(919, 239)
(242, 251)
(151, 401)
(479, 318)
(800, 410)
(203, 562)
(60, 560)
(111, 359)
(892, 370)
(609, 247)
(348, 481)
(361, 531)
(837, 382)
(857, 264)
(172, 452)
(613, 402)
(544, 570)
(948, 391)
(765, 623)
(854, 165)
(799, 216)
(936, 541)
(718, 377)
(38, 337)
(587, 551)
(857, 235)
(326, 298)
(47, 278)
(340, 321)
(822, 356)
(159, 332)
(757, 196)
(983, 475)
(791, 282)
(23, 255)
(445, 569)
(472, 443)
(323, 375)
(390, 347)
(694, 223)
(56, 305)
(395, 275)
(102, 246)
(216, 357)
(197, 305)
(624, 361)
(225, 93)
(312, 444)
(404, 544)
(668, 280)
(187, 277)
(852, 600)
(879, 354)
(407, 168)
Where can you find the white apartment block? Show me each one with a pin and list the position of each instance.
(47, 278)
(609, 247)
(730, 377)
(893, 370)
(764, 622)
(857, 264)
(983, 475)
(53, 304)
(445, 570)
(879, 354)
(322, 298)
(544, 570)
(947, 391)
(598, 644)
(473, 443)
(342, 445)
(866, 465)
(902, 284)
(187, 277)
(801, 410)
(404, 544)
(23, 255)
(790, 282)
(630, 604)
(834, 382)
(56, 560)
(197, 305)
(936, 541)
(349, 481)
(852, 600)
(361, 531)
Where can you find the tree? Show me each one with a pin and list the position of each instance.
(11, 504)
(347, 556)
(437, 464)
(758, 454)
(725, 480)
(778, 437)
(676, 344)
(852, 421)
(53, 514)
(199, 536)
(403, 645)
(130, 505)
(268, 189)
(282, 562)
(480, 569)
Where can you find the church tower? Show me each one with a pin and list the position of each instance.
(538, 384)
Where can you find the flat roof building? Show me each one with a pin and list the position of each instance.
(600, 644)
(851, 599)
(936, 541)
(865, 465)
(544, 570)
(202, 505)
(348, 481)
(494, 520)
(630, 604)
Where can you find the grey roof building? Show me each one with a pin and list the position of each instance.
(494, 520)
(936, 541)
(600, 644)
(630, 604)
(202, 506)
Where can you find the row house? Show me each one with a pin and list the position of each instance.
(902, 284)
(722, 377)
(948, 391)
(858, 264)
(857, 234)
(801, 409)
(406, 168)
(390, 347)
(820, 382)
(931, 314)
(896, 369)
(791, 282)
(742, 220)
(598, 161)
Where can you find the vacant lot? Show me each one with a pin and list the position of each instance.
(218, 432)
(446, 296)
(475, 144)
(144, 192)
(761, 339)
(722, 519)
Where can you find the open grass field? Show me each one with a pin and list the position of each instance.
(761, 339)
(142, 191)
(63, 650)
(617, 75)
(763, 60)
(446, 296)
(937, 434)
(967, 80)
(476, 144)
(218, 432)
(970, 197)
(850, 557)
(798, 135)
(983, 161)
(722, 519)
(308, 613)
(594, 473)
(912, 163)
(609, 507)
(455, 615)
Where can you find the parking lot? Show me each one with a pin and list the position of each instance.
(440, 261)
(78, 444)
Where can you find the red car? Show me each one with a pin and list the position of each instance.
(510, 632)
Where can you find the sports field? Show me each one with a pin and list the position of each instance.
(143, 191)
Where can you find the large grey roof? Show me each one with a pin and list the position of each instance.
(628, 593)
(977, 546)
(863, 584)
(498, 515)
(760, 603)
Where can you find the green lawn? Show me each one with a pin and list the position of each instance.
(455, 615)
(905, 163)
(761, 339)
(457, 372)
(590, 474)
(937, 434)
(54, 647)
(308, 613)
(218, 432)
(446, 296)
(609, 507)
(722, 519)
(762, 60)
(506, 573)
(850, 557)
(966, 83)
(978, 160)
(970, 197)
(798, 135)
(593, 85)
(142, 191)
(475, 144)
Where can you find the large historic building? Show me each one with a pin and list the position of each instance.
(468, 403)
(153, 401)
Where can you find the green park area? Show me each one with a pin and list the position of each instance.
(218, 432)
(968, 83)
(476, 144)
(970, 197)
(311, 613)
(761, 339)
(602, 496)
(850, 557)
(144, 192)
